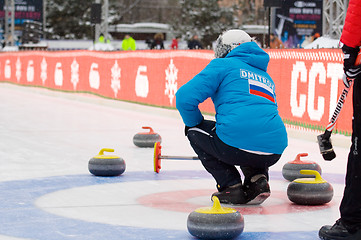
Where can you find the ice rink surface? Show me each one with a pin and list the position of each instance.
(46, 191)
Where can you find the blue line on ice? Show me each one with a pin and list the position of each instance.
(21, 218)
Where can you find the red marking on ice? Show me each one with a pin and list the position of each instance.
(178, 201)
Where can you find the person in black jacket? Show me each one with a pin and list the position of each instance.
(158, 41)
(348, 227)
(194, 43)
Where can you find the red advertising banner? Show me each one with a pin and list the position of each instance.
(308, 82)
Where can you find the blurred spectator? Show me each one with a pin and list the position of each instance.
(149, 42)
(102, 44)
(101, 39)
(275, 42)
(174, 44)
(315, 36)
(158, 41)
(194, 43)
(309, 40)
(128, 43)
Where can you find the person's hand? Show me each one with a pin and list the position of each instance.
(353, 72)
(186, 128)
(350, 55)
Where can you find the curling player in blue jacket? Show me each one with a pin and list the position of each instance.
(248, 131)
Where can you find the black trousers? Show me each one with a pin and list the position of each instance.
(220, 159)
(350, 207)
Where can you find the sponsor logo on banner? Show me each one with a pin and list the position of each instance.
(74, 79)
(30, 71)
(115, 81)
(58, 74)
(7, 69)
(302, 103)
(171, 75)
(43, 71)
(18, 69)
(141, 82)
(94, 78)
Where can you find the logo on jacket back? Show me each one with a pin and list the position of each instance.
(259, 85)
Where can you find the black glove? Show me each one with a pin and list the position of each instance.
(350, 55)
(186, 128)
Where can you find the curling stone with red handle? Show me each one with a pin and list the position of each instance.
(291, 170)
(146, 139)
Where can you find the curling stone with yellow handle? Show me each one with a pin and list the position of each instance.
(215, 222)
(310, 191)
(146, 139)
(106, 165)
(291, 170)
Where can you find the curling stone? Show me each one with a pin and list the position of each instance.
(146, 139)
(215, 222)
(106, 165)
(310, 191)
(291, 170)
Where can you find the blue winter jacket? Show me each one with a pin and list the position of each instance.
(244, 98)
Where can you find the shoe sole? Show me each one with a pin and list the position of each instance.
(338, 238)
(259, 199)
(324, 236)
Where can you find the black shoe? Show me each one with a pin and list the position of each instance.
(231, 195)
(257, 190)
(338, 231)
